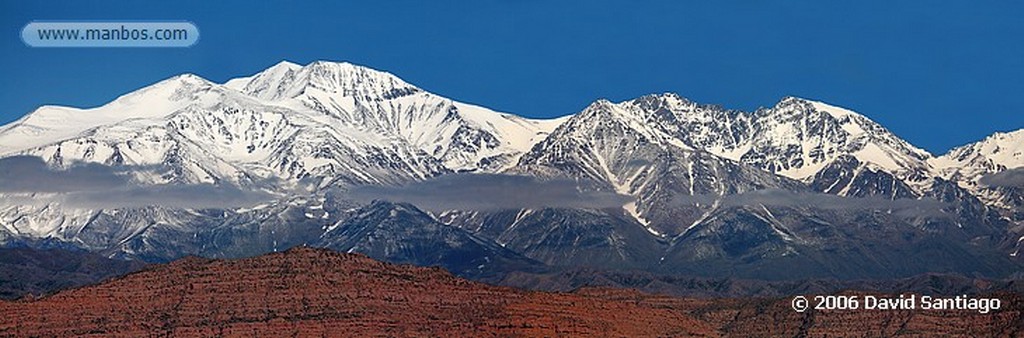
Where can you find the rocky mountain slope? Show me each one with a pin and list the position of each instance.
(26, 271)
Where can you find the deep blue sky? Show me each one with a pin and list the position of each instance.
(938, 73)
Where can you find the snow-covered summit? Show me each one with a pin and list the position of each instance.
(463, 136)
(997, 152)
(366, 106)
(287, 80)
(328, 123)
(970, 164)
(794, 138)
(797, 137)
(274, 76)
(49, 124)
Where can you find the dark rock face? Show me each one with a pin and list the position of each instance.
(566, 237)
(26, 271)
(849, 177)
(779, 243)
(400, 233)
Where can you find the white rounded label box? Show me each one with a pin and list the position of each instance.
(110, 34)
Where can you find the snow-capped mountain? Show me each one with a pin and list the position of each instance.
(796, 138)
(709, 190)
(692, 169)
(968, 165)
(619, 148)
(658, 147)
(325, 123)
(208, 133)
(322, 119)
(462, 136)
(996, 153)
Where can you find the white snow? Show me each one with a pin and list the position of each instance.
(968, 164)
(49, 124)
(836, 112)
(804, 172)
(1005, 150)
(872, 153)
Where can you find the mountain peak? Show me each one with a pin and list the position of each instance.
(287, 65)
(789, 99)
(1002, 135)
(666, 99)
(189, 77)
(795, 102)
(345, 68)
(273, 73)
(336, 64)
(288, 80)
(808, 105)
(176, 83)
(1004, 149)
(53, 123)
(348, 75)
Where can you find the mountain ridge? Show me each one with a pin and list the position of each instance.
(701, 184)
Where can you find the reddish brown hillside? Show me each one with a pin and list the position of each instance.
(309, 292)
(314, 292)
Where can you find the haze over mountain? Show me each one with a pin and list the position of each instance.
(342, 156)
